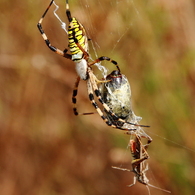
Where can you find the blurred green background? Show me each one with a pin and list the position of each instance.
(45, 149)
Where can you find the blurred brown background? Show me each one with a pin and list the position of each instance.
(45, 149)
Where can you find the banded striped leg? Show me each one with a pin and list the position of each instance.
(102, 59)
(86, 55)
(74, 100)
(92, 81)
(53, 48)
(68, 12)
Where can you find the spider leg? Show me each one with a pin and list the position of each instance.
(68, 12)
(74, 94)
(74, 100)
(91, 97)
(54, 49)
(86, 56)
(105, 58)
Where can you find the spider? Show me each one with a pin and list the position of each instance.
(78, 45)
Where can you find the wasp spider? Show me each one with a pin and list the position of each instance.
(78, 45)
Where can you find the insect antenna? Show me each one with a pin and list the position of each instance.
(148, 189)
(158, 188)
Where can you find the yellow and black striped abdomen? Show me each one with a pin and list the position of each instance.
(77, 30)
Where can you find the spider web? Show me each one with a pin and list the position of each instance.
(134, 119)
(85, 5)
(63, 24)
